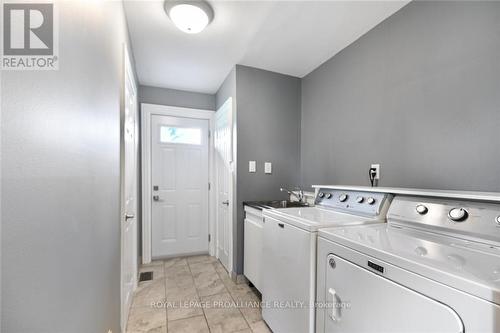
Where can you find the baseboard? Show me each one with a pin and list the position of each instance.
(239, 278)
(183, 255)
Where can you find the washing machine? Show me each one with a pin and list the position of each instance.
(288, 276)
(433, 267)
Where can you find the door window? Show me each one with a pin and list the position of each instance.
(182, 135)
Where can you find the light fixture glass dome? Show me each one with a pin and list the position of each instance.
(189, 16)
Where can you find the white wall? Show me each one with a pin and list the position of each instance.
(60, 180)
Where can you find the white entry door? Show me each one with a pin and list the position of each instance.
(223, 139)
(179, 179)
(129, 194)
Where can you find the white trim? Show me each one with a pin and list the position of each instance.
(467, 195)
(147, 111)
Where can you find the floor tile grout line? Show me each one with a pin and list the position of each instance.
(226, 291)
(196, 291)
(189, 317)
(166, 296)
(199, 298)
(239, 310)
(244, 318)
(231, 295)
(221, 276)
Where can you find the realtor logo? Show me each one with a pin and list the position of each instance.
(29, 37)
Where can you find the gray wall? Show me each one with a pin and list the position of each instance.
(61, 180)
(268, 127)
(174, 97)
(418, 94)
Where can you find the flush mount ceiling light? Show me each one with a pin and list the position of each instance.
(189, 16)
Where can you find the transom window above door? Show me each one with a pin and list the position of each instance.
(181, 135)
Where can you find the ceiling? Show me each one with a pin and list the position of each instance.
(289, 37)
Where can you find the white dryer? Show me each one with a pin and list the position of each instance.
(433, 267)
(289, 252)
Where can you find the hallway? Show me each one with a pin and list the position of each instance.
(193, 294)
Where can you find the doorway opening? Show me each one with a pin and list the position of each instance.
(187, 182)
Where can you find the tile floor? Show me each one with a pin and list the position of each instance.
(194, 294)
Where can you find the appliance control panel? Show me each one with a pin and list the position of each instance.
(354, 202)
(470, 219)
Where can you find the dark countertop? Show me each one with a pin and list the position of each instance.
(273, 204)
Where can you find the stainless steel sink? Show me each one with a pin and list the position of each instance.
(285, 204)
(277, 204)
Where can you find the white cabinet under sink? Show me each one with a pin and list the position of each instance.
(253, 240)
(289, 266)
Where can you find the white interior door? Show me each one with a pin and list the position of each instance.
(223, 139)
(179, 178)
(129, 194)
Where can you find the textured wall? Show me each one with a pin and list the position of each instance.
(418, 94)
(61, 180)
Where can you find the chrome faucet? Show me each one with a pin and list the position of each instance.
(299, 196)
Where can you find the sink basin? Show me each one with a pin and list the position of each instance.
(285, 204)
(276, 204)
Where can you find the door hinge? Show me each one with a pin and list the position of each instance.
(209, 238)
(209, 133)
(209, 186)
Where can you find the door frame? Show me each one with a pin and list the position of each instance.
(147, 111)
(128, 74)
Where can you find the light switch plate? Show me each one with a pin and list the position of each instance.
(268, 167)
(252, 166)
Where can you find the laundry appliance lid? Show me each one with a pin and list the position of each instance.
(472, 267)
(313, 218)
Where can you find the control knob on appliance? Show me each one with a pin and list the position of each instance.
(370, 201)
(360, 199)
(421, 209)
(321, 194)
(343, 197)
(498, 220)
(458, 214)
(328, 195)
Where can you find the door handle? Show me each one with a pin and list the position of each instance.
(225, 202)
(129, 216)
(156, 197)
(335, 314)
(281, 225)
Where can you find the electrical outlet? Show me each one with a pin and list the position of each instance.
(377, 170)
